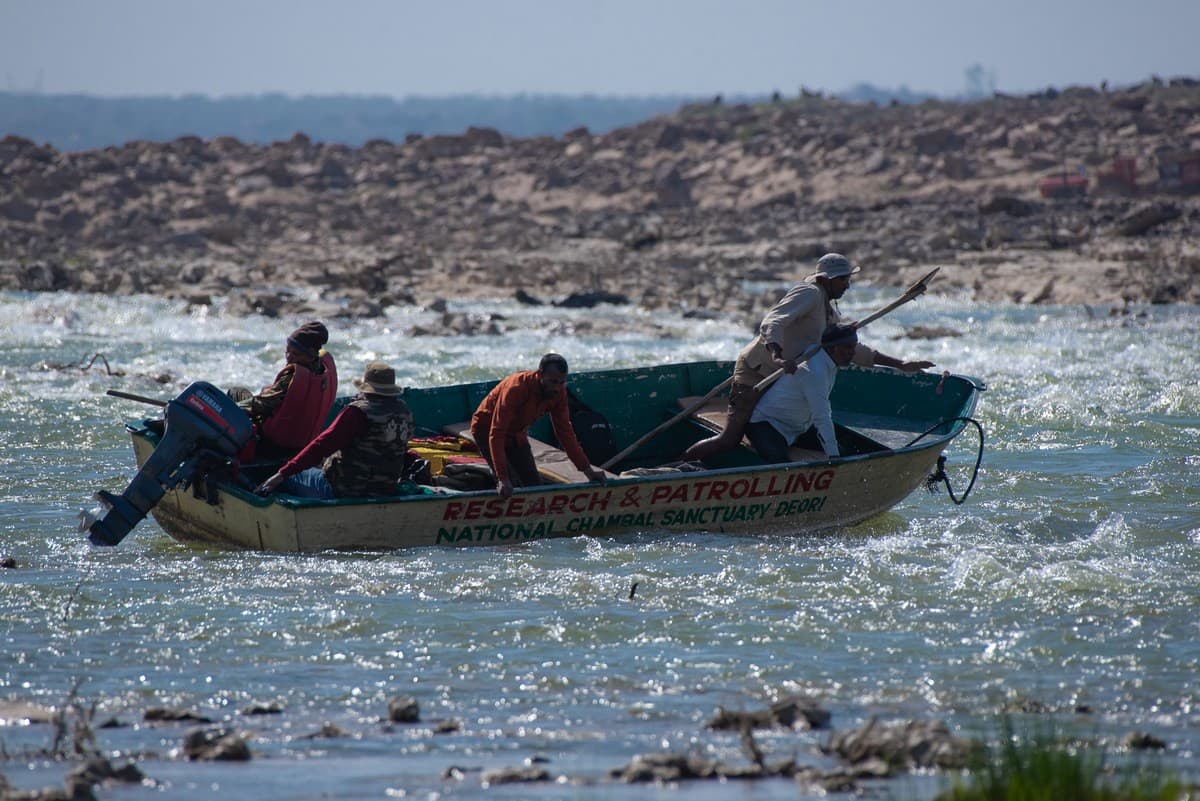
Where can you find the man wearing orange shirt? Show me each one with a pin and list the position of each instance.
(500, 425)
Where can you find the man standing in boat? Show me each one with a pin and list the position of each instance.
(293, 409)
(363, 452)
(500, 426)
(795, 411)
(789, 329)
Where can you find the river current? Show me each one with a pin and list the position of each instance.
(1066, 585)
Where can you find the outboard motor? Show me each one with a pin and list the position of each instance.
(204, 428)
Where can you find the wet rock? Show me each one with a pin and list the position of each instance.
(463, 325)
(664, 766)
(522, 775)
(262, 709)
(268, 304)
(41, 277)
(173, 715)
(8, 562)
(920, 744)
(216, 745)
(101, 771)
(586, 300)
(74, 790)
(403, 709)
(523, 297)
(870, 768)
(1141, 741)
(358, 307)
(929, 332)
(836, 783)
(327, 731)
(1027, 706)
(397, 297)
(789, 713)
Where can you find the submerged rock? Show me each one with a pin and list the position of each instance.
(217, 744)
(915, 743)
(790, 713)
(173, 715)
(522, 775)
(403, 709)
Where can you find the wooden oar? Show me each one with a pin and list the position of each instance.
(116, 393)
(685, 413)
(912, 293)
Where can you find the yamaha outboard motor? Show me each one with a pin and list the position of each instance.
(204, 428)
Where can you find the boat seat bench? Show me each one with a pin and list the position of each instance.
(712, 416)
(553, 463)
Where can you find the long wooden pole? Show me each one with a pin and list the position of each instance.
(912, 292)
(116, 393)
(685, 413)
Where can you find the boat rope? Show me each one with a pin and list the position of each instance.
(939, 475)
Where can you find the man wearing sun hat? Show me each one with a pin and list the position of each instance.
(791, 327)
(362, 453)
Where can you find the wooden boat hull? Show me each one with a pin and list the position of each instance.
(786, 499)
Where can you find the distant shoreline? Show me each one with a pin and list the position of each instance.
(76, 122)
(674, 212)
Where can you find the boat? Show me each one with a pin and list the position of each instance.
(892, 430)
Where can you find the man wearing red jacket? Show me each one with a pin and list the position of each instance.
(500, 425)
(289, 413)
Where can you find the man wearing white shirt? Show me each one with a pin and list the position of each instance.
(795, 410)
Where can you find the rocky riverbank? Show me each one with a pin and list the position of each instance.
(675, 212)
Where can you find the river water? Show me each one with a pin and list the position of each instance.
(1066, 582)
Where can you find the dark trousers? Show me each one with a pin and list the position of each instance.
(522, 469)
(771, 445)
(742, 400)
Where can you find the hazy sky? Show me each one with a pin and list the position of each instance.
(623, 47)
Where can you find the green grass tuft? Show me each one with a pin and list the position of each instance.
(1047, 766)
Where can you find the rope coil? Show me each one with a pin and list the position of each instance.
(939, 475)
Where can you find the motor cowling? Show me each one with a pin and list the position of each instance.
(205, 428)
